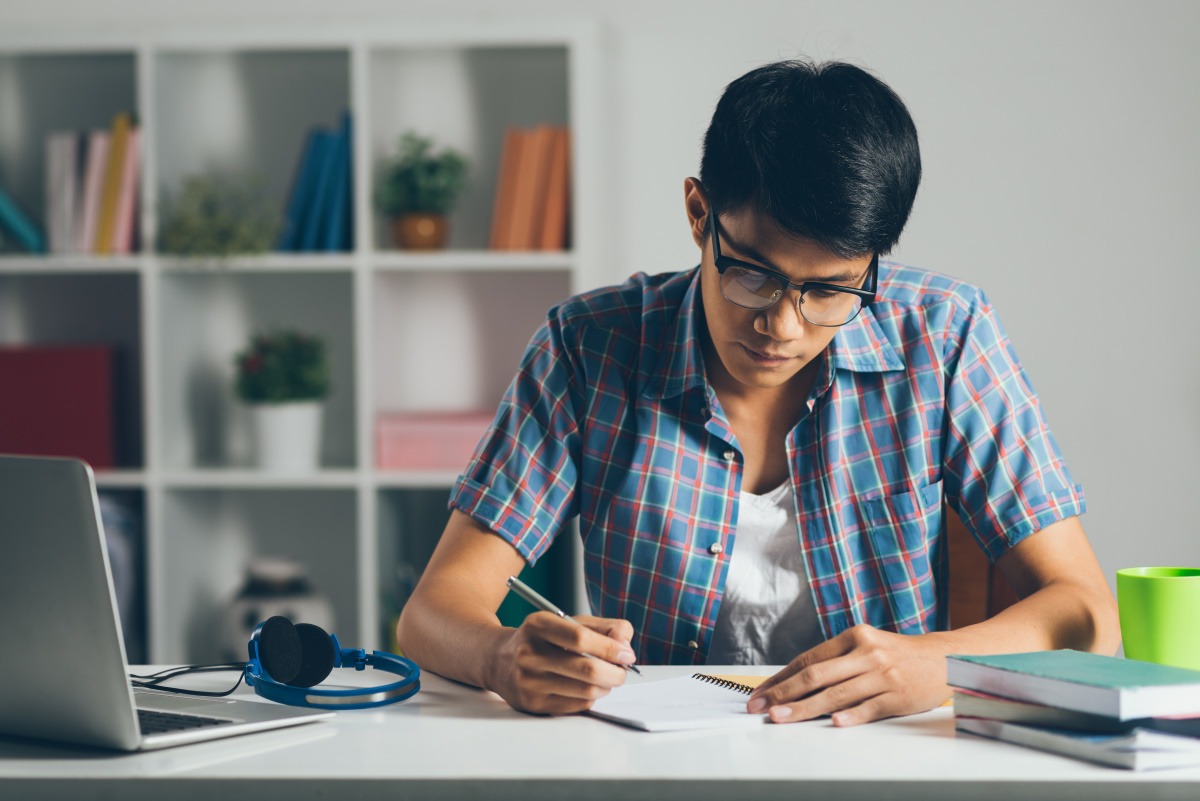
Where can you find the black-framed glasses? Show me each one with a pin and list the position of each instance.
(752, 286)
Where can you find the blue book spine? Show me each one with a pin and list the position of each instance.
(20, 226)
(318, 202)
(337, 221)
(302, 180)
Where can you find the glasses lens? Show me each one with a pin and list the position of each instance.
(750, 289)
(829, 308)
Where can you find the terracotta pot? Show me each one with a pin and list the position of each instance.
(420, 231)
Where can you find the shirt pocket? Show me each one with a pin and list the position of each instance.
(902, 530)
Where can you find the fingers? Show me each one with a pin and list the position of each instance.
(591, 637)
(858, 693)
(840, 645)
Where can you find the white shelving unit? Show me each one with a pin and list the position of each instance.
(406, 331)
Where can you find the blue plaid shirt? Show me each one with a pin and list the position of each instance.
(919, 400)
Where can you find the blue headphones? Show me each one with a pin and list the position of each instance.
(287, 661)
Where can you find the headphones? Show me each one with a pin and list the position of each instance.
(287, 660)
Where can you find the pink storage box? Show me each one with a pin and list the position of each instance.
(428, 440)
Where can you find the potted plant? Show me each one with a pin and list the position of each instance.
(218, 216)
(417, 189)
(284, 378)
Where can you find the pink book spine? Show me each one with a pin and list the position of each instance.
(93, 185)
(126, 202)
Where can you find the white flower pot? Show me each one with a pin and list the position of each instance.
(287, 436)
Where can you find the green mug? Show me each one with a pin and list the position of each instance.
(1159, 607)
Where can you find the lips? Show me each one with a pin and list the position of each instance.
(766, 358)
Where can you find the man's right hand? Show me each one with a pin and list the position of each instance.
(539, 667)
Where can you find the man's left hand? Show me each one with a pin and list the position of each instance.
(861, 675)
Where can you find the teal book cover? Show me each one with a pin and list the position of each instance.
(1085, 668)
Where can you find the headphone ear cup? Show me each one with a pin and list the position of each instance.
(318, 656)
(279, 649)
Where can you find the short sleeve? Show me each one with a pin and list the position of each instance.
(1003, 470)
(521, 480)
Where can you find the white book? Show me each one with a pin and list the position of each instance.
(60, 191)
(697, 701)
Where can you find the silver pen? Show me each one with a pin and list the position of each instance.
(535, 598)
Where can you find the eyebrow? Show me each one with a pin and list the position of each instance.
(845, 275)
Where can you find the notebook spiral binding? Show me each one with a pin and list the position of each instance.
(732, 685)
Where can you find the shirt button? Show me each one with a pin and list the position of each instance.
(693, 645)
(729, 454)
(715, 548)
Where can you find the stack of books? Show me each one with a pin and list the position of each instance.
(531, 210)
(318, 214)
(1117, 712)
(90, 193)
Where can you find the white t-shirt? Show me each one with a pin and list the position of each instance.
(767, 615)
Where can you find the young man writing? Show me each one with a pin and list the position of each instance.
(758, 449)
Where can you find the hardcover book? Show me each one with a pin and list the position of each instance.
(1101, 685)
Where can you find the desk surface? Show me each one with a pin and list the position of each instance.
(452, 741)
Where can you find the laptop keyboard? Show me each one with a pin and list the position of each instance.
(153, 722)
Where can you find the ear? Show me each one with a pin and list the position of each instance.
(695, 202)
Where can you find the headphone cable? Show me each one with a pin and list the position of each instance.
(154, 681)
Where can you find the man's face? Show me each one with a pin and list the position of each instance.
(766, 349)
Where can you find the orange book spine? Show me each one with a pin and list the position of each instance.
(112, 183)
(502, 206)
(521, 222)
(553, 235)
(545, 136)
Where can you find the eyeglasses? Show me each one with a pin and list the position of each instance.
(753, 287)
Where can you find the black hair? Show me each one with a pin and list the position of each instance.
(828, 151)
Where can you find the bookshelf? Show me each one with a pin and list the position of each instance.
(407, 331)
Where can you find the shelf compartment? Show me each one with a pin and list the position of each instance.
(243, 112)
(43, 93)
(84, 309)
(453, 341)
(462, 98)
(205, 318)
(212, 534)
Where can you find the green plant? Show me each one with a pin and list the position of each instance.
(219, 215)
(419, 180)
(282, 366)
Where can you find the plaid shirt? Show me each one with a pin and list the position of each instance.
(919, 400)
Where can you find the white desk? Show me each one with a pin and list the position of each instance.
(452, 741)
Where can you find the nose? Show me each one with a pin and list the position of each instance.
(782, 320)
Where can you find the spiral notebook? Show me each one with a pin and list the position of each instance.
(698, 701)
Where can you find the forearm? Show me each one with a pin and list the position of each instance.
(1059, 615)
(450, 636)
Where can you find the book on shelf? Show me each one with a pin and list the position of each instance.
(65, 406)
(1136, 749)
(118, 152)
(530, 209)
(19, 226)
(318, 213)
(1085, 682)
(335, 227)
(62, 151)
(125, 217)
(88, 212)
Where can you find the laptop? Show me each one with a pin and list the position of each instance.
(63, 671)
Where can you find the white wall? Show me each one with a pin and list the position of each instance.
(1061, 168)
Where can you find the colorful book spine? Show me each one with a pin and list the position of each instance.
(336, 225)
(126, 216)
(506, 177)
(20, 225)
(93, 188)
(119, 143)
(554, 222)
(318, 200)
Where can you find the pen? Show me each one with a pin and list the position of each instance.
(535, 598)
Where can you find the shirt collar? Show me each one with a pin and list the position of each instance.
(860, 346)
